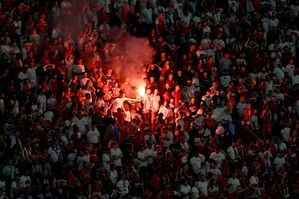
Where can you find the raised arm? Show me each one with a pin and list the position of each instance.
(132, 99)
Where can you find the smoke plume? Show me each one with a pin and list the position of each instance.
(129, 56)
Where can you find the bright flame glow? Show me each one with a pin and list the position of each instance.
(141, 90)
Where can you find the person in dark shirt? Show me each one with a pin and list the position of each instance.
(140, 28)
(153, 71)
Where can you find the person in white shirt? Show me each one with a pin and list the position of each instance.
(99, 104)
(82, 159)
(81, 122)
(185, 18)
(106, 158)
(5, 47)
(218, 156)
(24, 73)
(48, 117)
(233, 5)
(167, 138)
(15, 106)
(254, 186)
(150, 153)
(241, 106)
(16, 52)
(51, 102)
(194, 193)
(234, 183)
(25, 181)
(269, 84)
(147, 104)
(265, 22)
(225, 80)
(279, 162)
(93, 135)
(56, 32)
(65, 6)
(220, 130)
(55, 151)
(142, 158)
(200, 51)
(207, 98)
(232, 152)
(147, 14)
(79, 68)
(116, 154)
(254, 180)
(18, 26)
(56, 11)
(295, 80)
(42, 100)
(206, 41)
(286, 132)
(214, 170)
(275, 54)
(202, 186)
(164, 109)
(189, 92)
(206, 30)
(118, 103)
(290, 68)
(84, 79)
(294, 9)
(281, 146)
(123, 186)
(184, 189)
(273, 22)
(254, 120)
(196, 162)
(278, 73)
(155, 104)
(34, 38)
(113, 175)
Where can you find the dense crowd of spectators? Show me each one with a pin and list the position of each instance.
(218, 119)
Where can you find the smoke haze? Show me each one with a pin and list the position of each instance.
(131, 55)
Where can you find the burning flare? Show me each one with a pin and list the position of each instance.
(140, 90)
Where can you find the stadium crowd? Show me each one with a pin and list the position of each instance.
(218, 118)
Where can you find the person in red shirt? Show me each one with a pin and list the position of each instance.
(160, 23)
(166, 192)
(222, 182)
(72, 180)
(42, 27)
(84, 174)
(177, 95)
(47, 45)
(166, 93)
(170, 81)
(166, 69)
(152, 85)
(155, 183)
(69, 51)
(53, 84)
(209, 121)
(247, 114)
(267, 129)
(36, 154)
(126, 14)
(29, 25)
